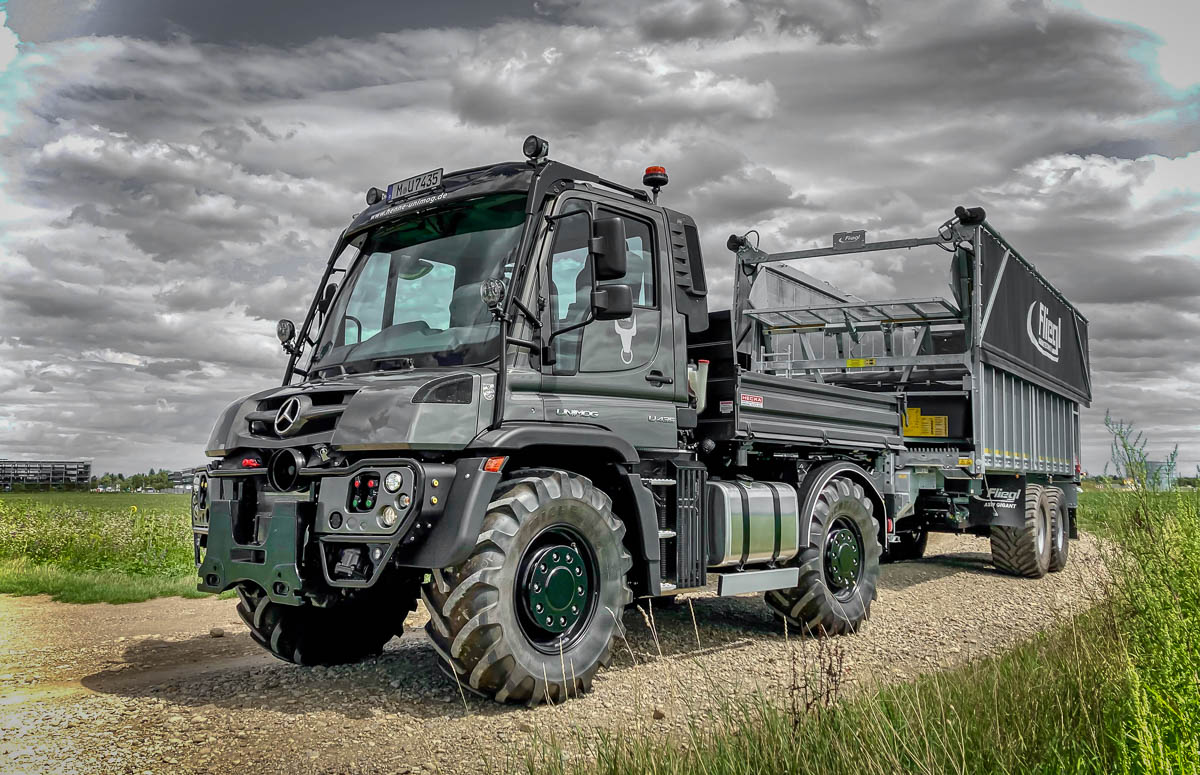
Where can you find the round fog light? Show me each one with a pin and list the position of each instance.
(388, 516)
(393, 481)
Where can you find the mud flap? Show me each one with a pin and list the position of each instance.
(272, 564)
(1002, 505)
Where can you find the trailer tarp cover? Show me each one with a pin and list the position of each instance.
(1031, 330)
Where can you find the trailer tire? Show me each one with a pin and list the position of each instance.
(837, 578)
(1025, 551)
(345, 631)
(911, 546)
(486, 615)
(1060, 528)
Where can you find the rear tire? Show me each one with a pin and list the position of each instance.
(1025, 551)
(839, 569)
(346, 631)
(535, 611)
(1060, 529)
(911, 546)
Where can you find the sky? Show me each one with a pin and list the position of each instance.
(173, 173)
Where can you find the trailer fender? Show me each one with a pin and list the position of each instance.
(819, 476)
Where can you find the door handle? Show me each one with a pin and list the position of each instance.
(658, 378)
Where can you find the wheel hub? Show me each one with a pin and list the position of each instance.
(557, 588)
(842, 558)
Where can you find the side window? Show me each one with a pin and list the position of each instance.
(639, 256)
(570, 275)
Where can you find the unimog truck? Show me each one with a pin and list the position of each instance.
(509, 399)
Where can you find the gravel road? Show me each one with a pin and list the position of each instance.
(146, 687)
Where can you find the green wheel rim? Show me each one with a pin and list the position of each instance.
(557, 588)
(843, 559)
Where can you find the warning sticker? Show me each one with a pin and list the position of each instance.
(927, 425)
(726, 407)
(858, 363)
(751, 400)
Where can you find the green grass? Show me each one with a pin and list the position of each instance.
(96, 547)
(18, 577)
(1116, 690)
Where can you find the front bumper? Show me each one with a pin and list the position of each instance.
(298, 545)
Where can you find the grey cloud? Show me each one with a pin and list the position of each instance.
(194, 190)
(832, 21)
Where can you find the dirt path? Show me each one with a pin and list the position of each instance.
(146, 688)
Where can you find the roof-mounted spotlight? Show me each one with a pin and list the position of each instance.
(535, 148)
(374, 196)
(970, 216)
(655, 177)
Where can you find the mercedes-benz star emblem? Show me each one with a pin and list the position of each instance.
(290, 416)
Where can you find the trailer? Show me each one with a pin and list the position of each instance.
(990, 380)
(508, 399)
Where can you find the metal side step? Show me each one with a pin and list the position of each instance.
(730, 584)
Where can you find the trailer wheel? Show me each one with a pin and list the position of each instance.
(1060, 543)
(1025, 551)
(533, 613)
(839, 569)
(911, 546)
(345, 631)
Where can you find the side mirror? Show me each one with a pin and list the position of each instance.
(608, 249)
(327, 298)
(612, 302)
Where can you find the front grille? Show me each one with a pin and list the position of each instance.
(320, 414)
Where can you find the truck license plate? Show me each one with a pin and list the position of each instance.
(415, 185)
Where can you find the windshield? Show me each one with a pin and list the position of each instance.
(413, 292)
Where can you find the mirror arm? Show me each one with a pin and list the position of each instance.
(591, 318)
(529, 345)
(529, 316)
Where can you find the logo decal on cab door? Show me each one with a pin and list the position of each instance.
(627, 335)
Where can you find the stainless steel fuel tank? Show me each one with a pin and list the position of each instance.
(751, 523)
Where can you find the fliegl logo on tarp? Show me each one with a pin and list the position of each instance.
(1046, 334)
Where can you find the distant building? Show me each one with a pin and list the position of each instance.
(45, 473)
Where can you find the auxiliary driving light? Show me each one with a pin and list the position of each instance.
(535, 147)
(392, 481)
(389, 516)
(374, 196)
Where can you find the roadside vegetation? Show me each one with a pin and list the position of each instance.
(96, 547)
(1115, 690)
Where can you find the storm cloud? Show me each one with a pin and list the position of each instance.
(172, 179)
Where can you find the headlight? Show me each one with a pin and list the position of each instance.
(392, 481)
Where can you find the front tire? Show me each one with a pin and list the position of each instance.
(345, 631)
(534, 612)
(839, 569)
(1025, 551)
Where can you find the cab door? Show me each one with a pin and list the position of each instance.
(618, 374)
